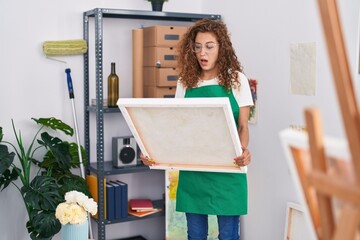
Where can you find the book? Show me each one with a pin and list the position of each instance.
(141, 204)
(144, 213)
(118, 199)
(110, 201)
(124, 198)
(92, 182)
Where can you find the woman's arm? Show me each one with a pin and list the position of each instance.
(243, 129)
(243, 132)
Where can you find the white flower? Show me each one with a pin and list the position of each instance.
(75, 208)
(91, 206)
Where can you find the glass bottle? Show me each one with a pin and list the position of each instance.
(113, 87)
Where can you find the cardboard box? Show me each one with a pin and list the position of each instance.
(163, 36)
(160, 77)
(159, 92)
(160, 57)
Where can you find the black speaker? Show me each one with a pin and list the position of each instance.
(124, 151)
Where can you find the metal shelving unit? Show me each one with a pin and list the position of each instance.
(101, 167)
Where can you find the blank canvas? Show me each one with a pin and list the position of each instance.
(184, 134)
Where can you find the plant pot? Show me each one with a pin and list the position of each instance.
(75, 231)
(157, 5)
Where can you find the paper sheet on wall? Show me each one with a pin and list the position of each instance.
(303, 69)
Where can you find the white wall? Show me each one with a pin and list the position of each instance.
(33, 86)
(262, 32)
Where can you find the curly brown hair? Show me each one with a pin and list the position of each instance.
(227, 61)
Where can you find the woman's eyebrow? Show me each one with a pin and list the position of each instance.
(206, 42)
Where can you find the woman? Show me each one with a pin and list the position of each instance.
(209, 68)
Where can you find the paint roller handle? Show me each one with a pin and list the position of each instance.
(69, 83)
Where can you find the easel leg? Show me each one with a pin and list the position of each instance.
(318, 159)
(349, 222)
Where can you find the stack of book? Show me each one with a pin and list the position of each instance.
(142, 207)
(116, 200)
(115, 197)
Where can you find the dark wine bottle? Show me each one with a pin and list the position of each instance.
(113, 87)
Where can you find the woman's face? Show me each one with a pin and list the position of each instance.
(206, 48)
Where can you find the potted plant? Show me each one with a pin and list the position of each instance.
(73, 215)
(43, 190)
(157, 4)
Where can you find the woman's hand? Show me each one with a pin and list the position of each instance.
(146, 160)
(244, 159)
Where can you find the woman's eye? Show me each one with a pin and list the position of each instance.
(209, 46)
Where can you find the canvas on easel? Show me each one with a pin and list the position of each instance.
(296, 146)
(197, 134)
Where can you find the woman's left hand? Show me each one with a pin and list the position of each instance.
(244, 159)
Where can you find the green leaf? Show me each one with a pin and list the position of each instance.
(73, 182)
(42, 193)
(7, 177)
(48, 141)
(58, 156)
(6, 158)
(43, 225)
(1, 134)
(75, 160)
(55, 124)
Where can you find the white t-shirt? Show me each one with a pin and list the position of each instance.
(242, 94)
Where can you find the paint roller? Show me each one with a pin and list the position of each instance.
(66, 48)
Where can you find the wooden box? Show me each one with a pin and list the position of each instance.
(159, 92)
(164, 57)
(163, 36)
(160, 77)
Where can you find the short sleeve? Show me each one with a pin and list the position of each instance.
(180, 90)
(243, 94)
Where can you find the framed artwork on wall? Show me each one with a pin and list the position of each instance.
(253, 116)
(295, 226)
(176, 221)
(197, 134)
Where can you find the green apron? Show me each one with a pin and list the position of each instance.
(210, 192)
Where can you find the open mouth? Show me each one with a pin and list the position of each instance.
(203, 61)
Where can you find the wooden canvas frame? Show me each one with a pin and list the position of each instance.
(294, 223)
(196, 134)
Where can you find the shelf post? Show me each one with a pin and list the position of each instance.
(99, 119)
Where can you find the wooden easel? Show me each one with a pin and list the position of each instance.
(318, 187)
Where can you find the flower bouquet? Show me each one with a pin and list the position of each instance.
(73, 215)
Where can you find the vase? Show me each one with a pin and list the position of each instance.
(157, 5)
(75, 231)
